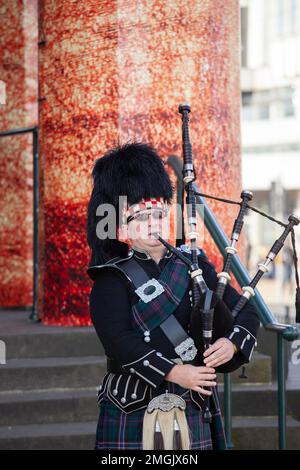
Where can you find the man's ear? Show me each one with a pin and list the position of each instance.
(123, 233)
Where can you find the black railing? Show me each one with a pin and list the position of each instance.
(34, 131)
(284, 331)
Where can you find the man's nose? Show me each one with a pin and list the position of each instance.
(154, 222)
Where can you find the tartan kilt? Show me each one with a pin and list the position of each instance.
(117, 430)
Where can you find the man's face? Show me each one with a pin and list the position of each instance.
(144, 224)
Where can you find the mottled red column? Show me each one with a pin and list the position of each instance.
(116, 70)
(18, 109)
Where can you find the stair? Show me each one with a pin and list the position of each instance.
(261, 401)
(48, 391)
(48, 406)
(52, 372)
(261, 433)
(28, 340)
(48, 386)
(58, 436)
(258, 371)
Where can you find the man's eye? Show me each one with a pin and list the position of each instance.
(159, 215)
(142, 217)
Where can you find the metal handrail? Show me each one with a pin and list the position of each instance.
(284, 331)
(34, 130)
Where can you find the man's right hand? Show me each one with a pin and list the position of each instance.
(193, 377)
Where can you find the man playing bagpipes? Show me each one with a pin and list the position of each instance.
(165, 331)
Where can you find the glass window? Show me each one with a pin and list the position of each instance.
(280, 17)
(293, 16)
(244, 36)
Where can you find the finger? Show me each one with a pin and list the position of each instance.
(216, 361)
(208, 376)
(207, 383)
(206, 367)
(206, 370)
(215, 351)
(219, 361)
(212, 348)
(222, 361)
(214, 356)
(202, 390)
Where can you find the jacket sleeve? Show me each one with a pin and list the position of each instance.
(244, 331)
(110, 309)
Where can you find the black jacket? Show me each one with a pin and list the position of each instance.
(110, 307)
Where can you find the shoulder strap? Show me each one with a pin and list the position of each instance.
(135, 272)
(183, 345)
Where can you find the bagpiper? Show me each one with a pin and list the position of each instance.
(159, 377)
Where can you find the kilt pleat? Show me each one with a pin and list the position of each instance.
(120, 431)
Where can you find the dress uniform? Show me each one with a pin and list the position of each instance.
(141, 311)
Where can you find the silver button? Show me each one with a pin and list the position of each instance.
(159, 354)
(236, 329)
(146, 333)
(132, 370)
(146, 363)
(123, 400)
(115, 392)
(134, 396)
(248, 336)
(147, 339)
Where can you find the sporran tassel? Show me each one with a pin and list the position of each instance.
(165, 429)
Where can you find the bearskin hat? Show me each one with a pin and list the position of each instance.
(134, 170)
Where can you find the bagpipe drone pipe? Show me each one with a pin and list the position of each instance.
(211, 318)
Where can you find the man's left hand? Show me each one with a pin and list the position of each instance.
(219, 353)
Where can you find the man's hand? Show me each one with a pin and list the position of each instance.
(219, 353)
(193, 377)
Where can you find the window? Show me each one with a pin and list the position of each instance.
(256, 105)
(244, 36)
(280, 17)
(293, 16)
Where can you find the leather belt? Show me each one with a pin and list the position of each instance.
(184, 345)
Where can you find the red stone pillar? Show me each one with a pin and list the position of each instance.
(18, 109)
(116, 70)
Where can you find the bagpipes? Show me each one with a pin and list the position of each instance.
(209, 313)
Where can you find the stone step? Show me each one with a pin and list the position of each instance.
(61, 436)
(248, 433)
(53, 372)
(86, 343)
(261, 400)
(69, 405)
(262, 433)
(34, 341)
(48, 406)
(267, 344)
(258, 371)
(25, 339)
(71, 343)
